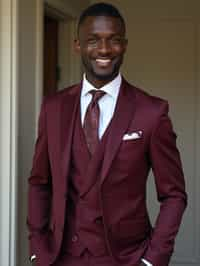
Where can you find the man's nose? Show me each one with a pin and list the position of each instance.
(104, 47)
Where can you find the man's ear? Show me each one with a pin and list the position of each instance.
(77, 45)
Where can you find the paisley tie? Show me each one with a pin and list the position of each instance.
(91, 121)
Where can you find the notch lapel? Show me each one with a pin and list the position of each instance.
(123, 115)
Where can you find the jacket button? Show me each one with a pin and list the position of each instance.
(75, 238)
(98, 221)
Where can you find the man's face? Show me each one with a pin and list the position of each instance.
(102, 44)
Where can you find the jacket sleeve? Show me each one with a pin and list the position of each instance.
(170, 186)
(39, 191)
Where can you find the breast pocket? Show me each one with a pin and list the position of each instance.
(130, 144)
(130, 153)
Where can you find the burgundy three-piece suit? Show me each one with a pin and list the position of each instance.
(98, 203)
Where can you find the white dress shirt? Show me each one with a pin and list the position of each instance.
(107, 102)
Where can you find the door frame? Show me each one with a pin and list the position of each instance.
(62, 12)
(9, 129)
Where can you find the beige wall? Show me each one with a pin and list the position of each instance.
(155, 9)
(27, 95)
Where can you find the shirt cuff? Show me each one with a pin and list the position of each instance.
(32, 258)
(146, 262)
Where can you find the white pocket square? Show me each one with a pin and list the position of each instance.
(133, 135)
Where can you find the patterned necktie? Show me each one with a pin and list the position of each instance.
(91, 121)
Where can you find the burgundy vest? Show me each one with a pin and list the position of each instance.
(84, 224)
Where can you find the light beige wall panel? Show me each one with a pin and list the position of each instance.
(155, 9)
(27, 93)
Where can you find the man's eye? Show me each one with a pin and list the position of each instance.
(116, 40)
(92, 41)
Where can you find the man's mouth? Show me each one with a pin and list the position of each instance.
(103, 62)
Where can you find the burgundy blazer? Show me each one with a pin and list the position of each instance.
(123, 178)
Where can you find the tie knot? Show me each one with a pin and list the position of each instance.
(96, 95)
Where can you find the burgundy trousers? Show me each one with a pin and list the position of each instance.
(86, 259)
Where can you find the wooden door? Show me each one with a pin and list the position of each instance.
(50, 55)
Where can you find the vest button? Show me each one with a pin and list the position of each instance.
(75, 238)
(98, 221)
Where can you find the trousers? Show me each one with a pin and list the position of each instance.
(86, 259)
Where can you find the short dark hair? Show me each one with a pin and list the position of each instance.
(101, 9)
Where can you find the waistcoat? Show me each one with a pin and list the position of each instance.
(84, 222)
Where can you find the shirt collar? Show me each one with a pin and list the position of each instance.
(111, 88)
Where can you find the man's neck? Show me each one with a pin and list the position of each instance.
(97, 83)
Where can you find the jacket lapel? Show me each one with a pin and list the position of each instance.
(69, 107)
(123, 115)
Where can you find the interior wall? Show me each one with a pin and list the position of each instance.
(27, 95)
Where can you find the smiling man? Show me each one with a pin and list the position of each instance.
(97, 142)
(102, 44)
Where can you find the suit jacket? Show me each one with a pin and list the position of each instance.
(126, 165)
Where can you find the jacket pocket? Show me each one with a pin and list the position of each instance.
(135, 229)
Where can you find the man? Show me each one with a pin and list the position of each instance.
(97, 142)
